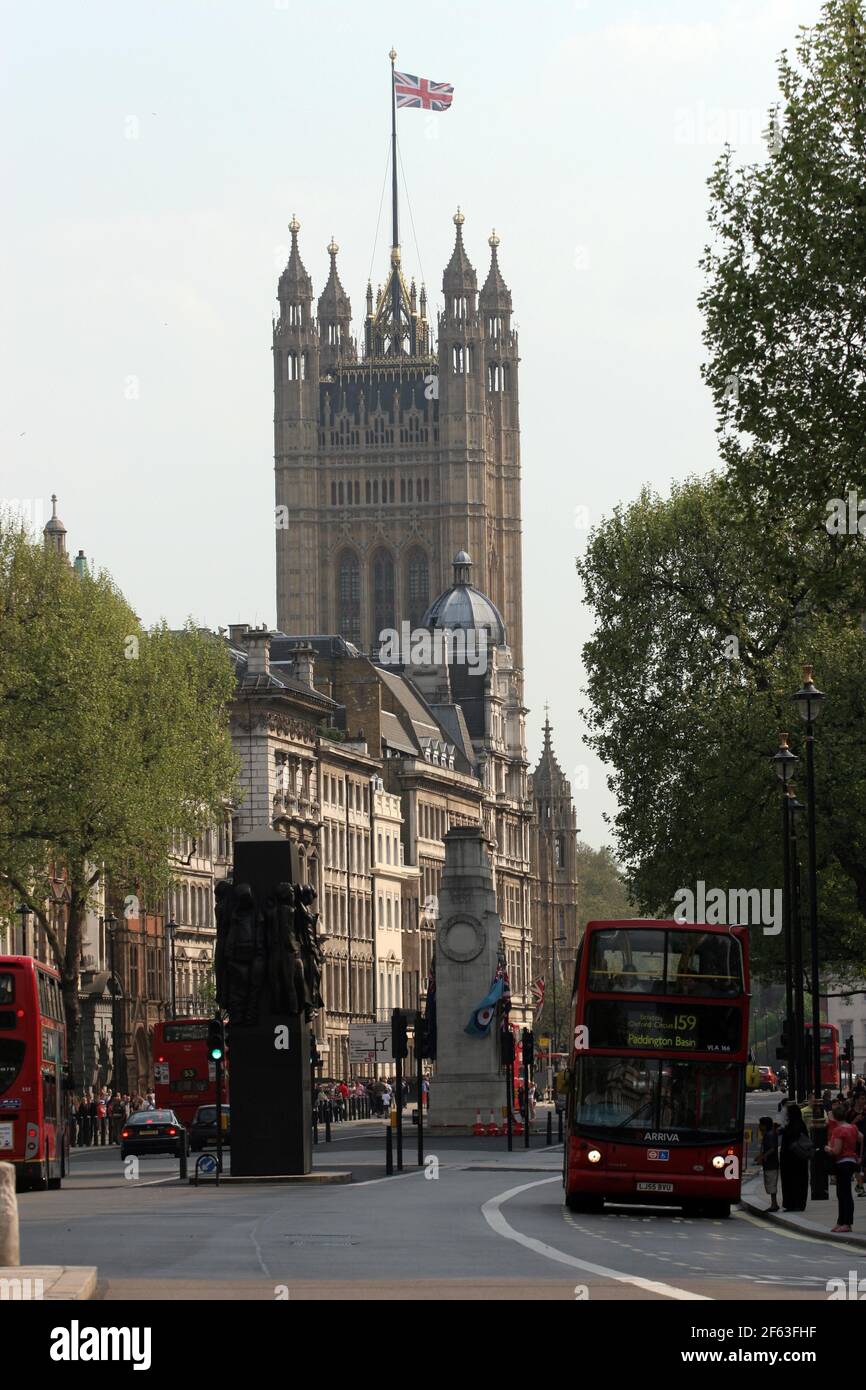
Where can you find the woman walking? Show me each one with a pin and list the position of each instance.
(795, 1150)
(846, 1147)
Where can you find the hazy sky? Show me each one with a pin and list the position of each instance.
(153, 155)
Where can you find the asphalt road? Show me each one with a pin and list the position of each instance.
(479, 1223)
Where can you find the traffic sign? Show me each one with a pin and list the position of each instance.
(207, 1164)
(369, 1042)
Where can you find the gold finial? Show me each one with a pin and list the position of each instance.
(393, 54)
(493, 240)
(333, 248)
(459, 219)
(294, 225)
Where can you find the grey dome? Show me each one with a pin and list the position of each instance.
(464, 607)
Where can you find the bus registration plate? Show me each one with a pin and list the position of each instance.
(655, 1187)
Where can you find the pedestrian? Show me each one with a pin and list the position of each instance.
(83, 1121)
(768, 1157)
(104, 1108)
(72, 1121)
(795, 1151)
(846, 1148)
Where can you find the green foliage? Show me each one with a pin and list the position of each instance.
(603, 890)
(112, 737)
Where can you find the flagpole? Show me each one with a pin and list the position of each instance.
(395, 238)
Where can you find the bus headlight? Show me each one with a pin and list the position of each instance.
(594, 1156)
(719, 1161)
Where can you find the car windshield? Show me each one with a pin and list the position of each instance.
(206, 1115)
(640, 1095)
(152, 1117)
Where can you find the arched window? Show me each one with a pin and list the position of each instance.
(457, 359)
(292, 366)
(494, 377)
(383, 593)
(417, 585)
(349, 596)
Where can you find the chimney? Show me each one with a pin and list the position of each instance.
(303, 655)
(237, 632)
(258, 645)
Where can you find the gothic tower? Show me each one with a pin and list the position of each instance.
(390, 463)
(554, 864)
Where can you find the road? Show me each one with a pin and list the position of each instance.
(486, 1225)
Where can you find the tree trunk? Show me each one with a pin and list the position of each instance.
(69, 966)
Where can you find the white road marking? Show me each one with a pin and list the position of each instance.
(494, 1218)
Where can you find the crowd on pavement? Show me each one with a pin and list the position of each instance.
(376, 1096)
(97, 1116)
(831, 1130)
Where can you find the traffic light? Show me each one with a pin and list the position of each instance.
(507, 1047)
(528, 1042)
(399, 1037)
(849, 1050)
(216, 1043)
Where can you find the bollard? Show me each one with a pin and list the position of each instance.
(328, 1126)
(10, 1247)
(550, 1126)
(559, 1127)
(389, 1152)
(183, 1164)
(315, 1131)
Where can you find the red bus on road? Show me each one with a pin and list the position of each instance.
(657, 1066)
(829, 1054)
(184, 1076)
(33, 1134)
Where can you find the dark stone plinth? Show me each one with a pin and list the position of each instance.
(274, 1179)
(270, 1098)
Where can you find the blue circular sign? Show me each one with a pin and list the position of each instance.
(207, 1164)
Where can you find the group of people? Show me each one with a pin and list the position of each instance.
(98, 1115)
(381, 1094)
(789, 1144)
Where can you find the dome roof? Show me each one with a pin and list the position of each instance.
(464, 607)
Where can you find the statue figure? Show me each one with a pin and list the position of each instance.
(306, 919)
(275, 947)
(240, 953)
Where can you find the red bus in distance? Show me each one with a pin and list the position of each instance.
(33, 1133)
(184, 1076)
(829, 1055)
(656, 1081)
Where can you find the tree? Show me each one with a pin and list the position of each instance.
(785, 311)
(689, 737)
(112, 738)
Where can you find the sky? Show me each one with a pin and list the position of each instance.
(153, 157)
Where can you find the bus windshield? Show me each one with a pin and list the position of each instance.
(708, 964)
(637, 1096)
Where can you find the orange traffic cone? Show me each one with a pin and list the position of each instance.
(491, 1128)
(478, 1127)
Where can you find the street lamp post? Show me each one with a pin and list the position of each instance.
(25, 913)
(556, 941)
(808, 699)
(110, 923)
(796, 808)
(171, 928)
(785, 762)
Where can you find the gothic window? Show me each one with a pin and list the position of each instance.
(375, 490)
(333, 334)
(383, 592)
(340, 493)
(349, 606)
(459, 306)
(402, 489)
(295, 314)
(506, 377)
(292, 366)
(559, 852)
(411, 498)
(457, 360)
(417, 585)
(305, 357)
(357, 493)
(367, 492)
(333, 494)
(494, 377)
(426, 489)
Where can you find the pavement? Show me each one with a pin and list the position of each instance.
(26, 1283)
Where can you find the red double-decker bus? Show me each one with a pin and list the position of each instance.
(33, 1133)
(829, 1054)
(184, 1076)
(657, 1066)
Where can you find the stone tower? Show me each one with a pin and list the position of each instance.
(554, 863)
(389, 463)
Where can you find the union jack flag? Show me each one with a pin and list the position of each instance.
(421, 92)
(538, 991)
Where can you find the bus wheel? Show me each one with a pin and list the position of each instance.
(585, 1202)
(40, 1176)
(720, 1210)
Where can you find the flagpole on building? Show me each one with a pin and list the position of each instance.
(395, 236)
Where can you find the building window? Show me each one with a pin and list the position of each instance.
(417, 585)
(349, 607)
(383, 592)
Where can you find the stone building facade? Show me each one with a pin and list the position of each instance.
(555, 889)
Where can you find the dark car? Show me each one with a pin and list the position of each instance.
(153, 1132)
(204, 1131)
